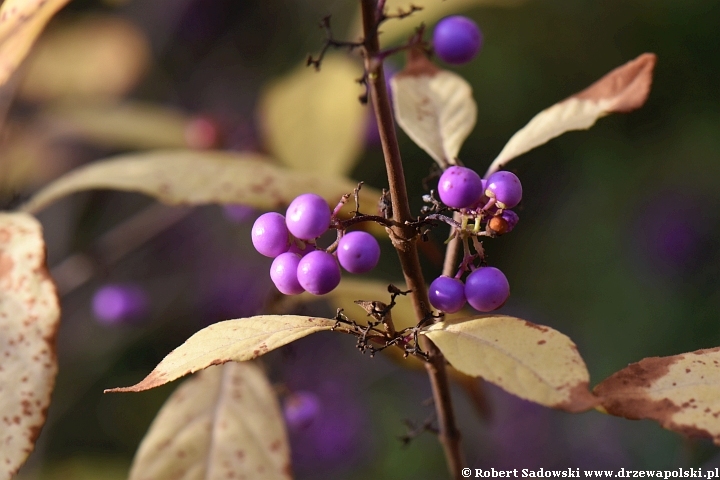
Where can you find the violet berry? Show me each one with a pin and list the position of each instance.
(283, 273)
(318, 272)
(487, 289)
(505, 188)
(119, 303)
(447, 294)
(270, 235)
(457, 39)
(300, 409)
(308, 216)
(358, 252)
(460, 187)
(503, 223)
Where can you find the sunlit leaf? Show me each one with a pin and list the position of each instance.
(531, 361)
(194, 178)
(29, 317)
(232, 340)
(21, 21)
(131, 125)
(313, 121)
(223, 423)
(92, 57)
(622, 90)
(681, 392)
(434, 107)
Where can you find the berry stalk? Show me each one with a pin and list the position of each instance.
(404, 238)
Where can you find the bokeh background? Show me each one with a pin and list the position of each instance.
(617, 245)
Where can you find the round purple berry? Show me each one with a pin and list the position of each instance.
(270, 235)
(300, 409)
(118, 303)
(487, 289)
(460, 187)
(308, 216)
(283, 273)
(503, 223)
(358, 252)
(457, 39)
(319, 272)
(505, 188)
(447, 294)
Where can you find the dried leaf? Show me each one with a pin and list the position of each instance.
(29, 317)
(21, 21)
(313, 121)
(91, 57)
(195, 178)
(434, 107)
(223, 423)
(531, 361)
(681, 392)
(622, 90)
(232, 340)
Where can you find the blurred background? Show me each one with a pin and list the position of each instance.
(617, 244)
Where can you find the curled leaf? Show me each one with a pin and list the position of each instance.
(434, 107)
(29, 317)
(622, 90)
(195, 178)
(223, 423)
(232, 340)
(313, 120)
(681, 392)
(531, 361)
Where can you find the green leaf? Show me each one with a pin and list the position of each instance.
(434, 107)
(29, 318)
(313, 121)
(195, 178)
(622, 90)
(681, 392)
(223, 423)
(531, 361)
(232, 340)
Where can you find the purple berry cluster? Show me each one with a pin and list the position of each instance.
(299, 264)
(484, 201)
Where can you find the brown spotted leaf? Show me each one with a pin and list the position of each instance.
(232, 340)
(434, 107)
(313, 121)
(531, 361)
(29, 317)
(21, 21)
(681, 392)
(195, 178)
(225, 422)
(622, 90)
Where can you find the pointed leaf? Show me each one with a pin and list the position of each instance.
(21, 21)
(29, 317)
(231, 340)
(313, 121)
(196, 178)
(434, 107)
(681, 392)
(223, 423)
(622, 90)
(531, 361)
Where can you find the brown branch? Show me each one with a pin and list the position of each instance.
(404, 238)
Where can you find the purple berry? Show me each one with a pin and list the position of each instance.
(300, 409)
(457, 39)
(283, 273)
(460, 187)
(308, 216)
(116, 303)
(503, 223)
(505, 188)
(319, 272)
(358, 252)
(270, 235)
(447, 294)
(487, 289)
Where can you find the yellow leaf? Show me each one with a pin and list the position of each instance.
(622, 90)
(223, 423)
(195, 178)
(531, 361)
(232, 340)
(681, 392)
(91, 57)
(21, 21)
(29, 317)
(313, 121)
(434, 107)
